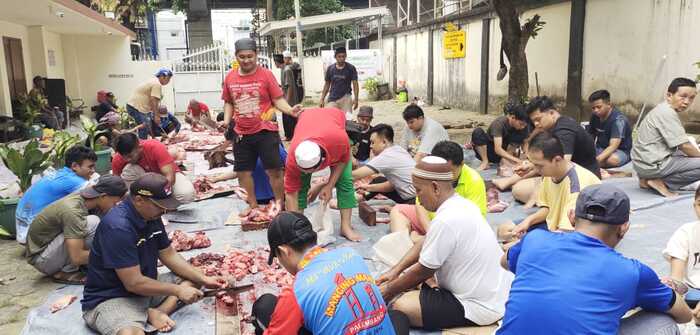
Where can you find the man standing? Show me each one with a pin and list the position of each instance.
(293, 92)
(79, 167)
(144, 102)
(60, 237)
(135, 157)
(339, 76)
(663, 155)
(557, 194)
(393, 162)
(495, 144)
(611, 131)
(422, 133)
(578, 284)
(198, 115)
(321, 142)
(123, 291)
(314, 305)
(467, 183)
(248, 93)
(460, 250)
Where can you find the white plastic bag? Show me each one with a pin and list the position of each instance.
(322, 224)
(392, 247)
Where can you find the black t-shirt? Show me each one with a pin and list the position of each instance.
(577, 143)
(341, 80)
(501, 128)
(363, 148)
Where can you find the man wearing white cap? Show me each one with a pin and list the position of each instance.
(320, 141)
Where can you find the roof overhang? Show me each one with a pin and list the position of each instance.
(323, 21)
(62, 17)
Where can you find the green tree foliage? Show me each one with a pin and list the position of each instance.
(285, 10)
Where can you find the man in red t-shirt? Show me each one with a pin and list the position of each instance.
(249, 94)
(136, 157)
(320, 141)
(198, 115)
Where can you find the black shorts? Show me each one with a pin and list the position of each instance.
(440, 309)
(264, 145)
(479, 138)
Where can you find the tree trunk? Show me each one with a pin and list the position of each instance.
(514, 41)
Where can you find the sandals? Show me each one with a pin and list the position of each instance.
(74, 278)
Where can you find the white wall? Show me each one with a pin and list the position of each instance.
(37, 50)
(53, 43)
(104, 62)
(15, 31)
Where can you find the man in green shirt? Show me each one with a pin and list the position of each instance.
(467, 183)
(60, 237)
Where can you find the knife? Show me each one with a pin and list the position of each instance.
(230, 290)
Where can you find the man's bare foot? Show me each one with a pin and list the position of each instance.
(483, 166)
(659, 186)
(501, 184)
(246, 212)
(350, 234)
(643, 183)
(160, 320)
(529, 204)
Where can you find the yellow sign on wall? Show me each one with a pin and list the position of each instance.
(454, 44)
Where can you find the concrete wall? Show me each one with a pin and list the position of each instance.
(53, 44)
(624, 43)
(104, 62)
(15, 31)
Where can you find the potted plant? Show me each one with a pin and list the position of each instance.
(30, 108)
(104, 155)
(370, 85)
(24, 164)
(62, 141)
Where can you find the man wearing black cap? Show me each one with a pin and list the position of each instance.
(249, 94)
(578, 284)
(339, 76)
(60, 237)
(333, 292)
(123, 292)
(358, 131)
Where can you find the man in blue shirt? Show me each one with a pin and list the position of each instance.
(123, 293)
(79, 166)
(169, 125)
(333, 291)
(611, 131)
(339, 78)
(576, 283)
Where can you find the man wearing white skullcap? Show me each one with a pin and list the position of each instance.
(460, 250)
(320, 142)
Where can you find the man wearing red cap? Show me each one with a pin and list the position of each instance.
(320, 142)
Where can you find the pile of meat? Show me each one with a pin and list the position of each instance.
(241, 264)
(262, 215)
(205, 189)
(181, 241)
(494, 205)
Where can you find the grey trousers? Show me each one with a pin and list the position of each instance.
(648, 323)
(681, 171)
(55, 257)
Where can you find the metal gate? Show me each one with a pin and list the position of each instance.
(200, 75)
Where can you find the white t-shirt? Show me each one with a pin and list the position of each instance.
(396, 164)
(685, 245)
(463, 249)
(424, 140)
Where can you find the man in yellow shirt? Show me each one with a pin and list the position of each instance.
(144, 102)
(562, 182)
(467, 183)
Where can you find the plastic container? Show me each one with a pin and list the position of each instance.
(7, 217)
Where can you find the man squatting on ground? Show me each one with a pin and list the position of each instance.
(61, 236)
(123, 292)
(249, 94)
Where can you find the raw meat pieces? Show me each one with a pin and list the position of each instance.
(204, 189)
(494, 205)
(202, 185)
(240, 264)
(180, 241)
(62, 303)
(259, 218)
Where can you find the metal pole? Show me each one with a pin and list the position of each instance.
(418, 11)
(379, 34)
(300, 46)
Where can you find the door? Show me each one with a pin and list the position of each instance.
(15, 67)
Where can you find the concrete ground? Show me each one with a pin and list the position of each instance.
(23, 288)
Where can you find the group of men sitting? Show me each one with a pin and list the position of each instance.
(458, 272)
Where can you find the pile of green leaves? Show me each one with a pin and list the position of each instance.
(26, 163)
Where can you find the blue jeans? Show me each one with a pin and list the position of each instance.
(622, 156)
(141, 119)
